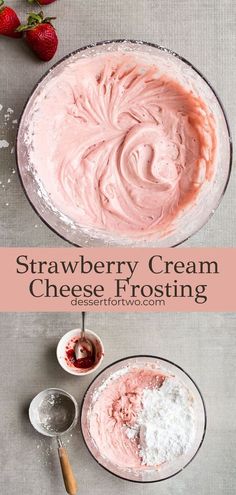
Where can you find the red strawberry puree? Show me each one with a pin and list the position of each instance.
(83, 363)
(119, 145)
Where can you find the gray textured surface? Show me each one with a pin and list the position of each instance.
(204, 345)
(203, 31)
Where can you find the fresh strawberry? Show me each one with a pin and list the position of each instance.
(9, 21)
(41, 2)
(40, 35)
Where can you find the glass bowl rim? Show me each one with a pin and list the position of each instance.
(134, 42)
(166, 361)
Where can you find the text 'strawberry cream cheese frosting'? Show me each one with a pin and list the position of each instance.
(142, 417)
(119, 145)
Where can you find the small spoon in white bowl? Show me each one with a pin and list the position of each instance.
(84, 348)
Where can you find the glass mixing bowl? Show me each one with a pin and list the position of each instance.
(191, 218)
(171, 468)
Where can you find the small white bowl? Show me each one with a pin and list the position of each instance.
(62, 357)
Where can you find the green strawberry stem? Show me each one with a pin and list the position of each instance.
(34, 1)
(1, 3)
(34, 20)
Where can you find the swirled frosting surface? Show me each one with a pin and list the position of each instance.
(119, 146)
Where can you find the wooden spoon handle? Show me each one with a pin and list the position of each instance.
(67, 472)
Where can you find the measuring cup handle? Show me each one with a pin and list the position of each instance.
(67, 472)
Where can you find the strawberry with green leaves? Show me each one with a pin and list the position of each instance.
(9, 21)
(40, 35)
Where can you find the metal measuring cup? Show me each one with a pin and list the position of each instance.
(54, 412)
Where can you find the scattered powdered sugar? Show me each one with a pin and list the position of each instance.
(165, 425)
(8, 124)
(46, 449)
(8, 113)
(6, 120)
(3, 143)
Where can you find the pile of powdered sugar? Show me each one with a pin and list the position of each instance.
(165, 425)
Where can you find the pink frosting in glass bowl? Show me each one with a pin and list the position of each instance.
(119, 145)
(132, 434)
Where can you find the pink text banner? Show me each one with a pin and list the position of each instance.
(118, 280)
